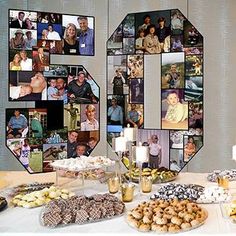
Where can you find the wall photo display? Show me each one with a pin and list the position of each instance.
(65, 122)
(171, 34)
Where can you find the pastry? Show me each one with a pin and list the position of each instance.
(188, 217)
(144, 227)
(176, 220)
(185, 226)
(137, 214)
(147, 219)
(159, 228)
(161, 221)
(195, 223)
(173, 228)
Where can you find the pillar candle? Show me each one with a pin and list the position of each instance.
(130, 134)
(142, 154)
(119, 144)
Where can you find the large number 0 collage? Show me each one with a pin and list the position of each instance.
(64, 123)
(180, 45)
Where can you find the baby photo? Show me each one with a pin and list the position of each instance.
(172, 70)
(27, 86)
(174, 110)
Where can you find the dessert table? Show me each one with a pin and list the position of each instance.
(21, 220)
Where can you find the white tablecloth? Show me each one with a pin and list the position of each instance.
(20, 220)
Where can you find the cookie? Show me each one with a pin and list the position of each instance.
(81, 216)
(94, 214)
(66, 217)
(51, 219)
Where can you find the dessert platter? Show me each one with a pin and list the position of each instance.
(83, 163)
(192, 192)
(166, 216)
(214, 194)
(161, 175)
(180, 191)
(41, 197)
(26, 188)
(81, 210)
(230, 174)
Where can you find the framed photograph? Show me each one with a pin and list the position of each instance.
(177, 22)
(136, 87)
(194, 65)
(174, 110)
(192, 37)
(158, 143)
(172, 70)
(193, 88)
(115, 112)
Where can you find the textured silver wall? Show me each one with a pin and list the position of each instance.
(215, 19)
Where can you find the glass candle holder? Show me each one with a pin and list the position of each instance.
(113, 184)
(146, 184)
(223, 182)
(127, 192)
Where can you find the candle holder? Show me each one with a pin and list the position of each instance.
(113, 184)
(146, 184)
(223, 182)
(119, 146)
(127, 192)
(131, 135)
(142, 156)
